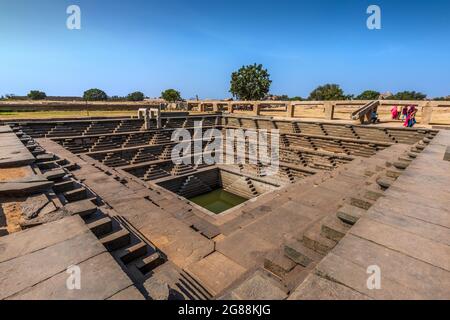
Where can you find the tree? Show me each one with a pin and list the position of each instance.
(136, 96)
(171, 95)
(447, 98)
(328, 92)
(250, 82)
(36, 95)
(296, 98)
(95, 95)
(408, 95)
(369, 95)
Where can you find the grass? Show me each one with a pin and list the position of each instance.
(9, 115)
(5, 115)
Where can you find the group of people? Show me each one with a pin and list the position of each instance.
(406, 114)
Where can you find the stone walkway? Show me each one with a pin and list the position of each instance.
(406, 234)
(33, 264)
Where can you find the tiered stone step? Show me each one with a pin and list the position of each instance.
(194, 289)
(108, 143)
(181, 169)
(192, 187)
(314, 240)
(300, 254)
(350, 214)
(144, 155)
(74, 147)
(103, 127)
(160, 138)
(167, 153)
(238, 186)
(69, 128)
(129, 126)
(138, 139)
(149, 262)
(116, 240)
(155, 172)
(114, 160)
(333, 228)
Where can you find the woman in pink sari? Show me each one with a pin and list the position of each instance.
(394, 113)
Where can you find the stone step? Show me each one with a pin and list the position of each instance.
(402, 165)
(350, 214)
(132, 252)
(101, 226)
(361, 202)
(314, 240)
(385, 182)
(195, 289)
(55, 174)
(150, 262)
(278, 264)
(373, 192)
(116, 240)
(334, 229)
(300, 254)
(76, 194)
(82, 208)
(63, 186)
(393, 173)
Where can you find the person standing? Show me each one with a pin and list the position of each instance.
(394, 113)
(404, 112)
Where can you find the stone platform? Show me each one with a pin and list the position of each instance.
(406, 234)
(33, 264)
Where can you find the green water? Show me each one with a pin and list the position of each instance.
(218, 201)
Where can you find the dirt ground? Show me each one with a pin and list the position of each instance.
(7, 174)
(10, 215)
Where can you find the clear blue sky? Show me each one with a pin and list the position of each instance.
(194, 45)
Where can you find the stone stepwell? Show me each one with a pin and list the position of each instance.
(105, 195)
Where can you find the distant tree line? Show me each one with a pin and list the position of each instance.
(251, 82)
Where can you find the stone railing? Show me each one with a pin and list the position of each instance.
(429, 112)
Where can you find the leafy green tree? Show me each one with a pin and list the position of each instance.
(136, 96)
(171, 95)
(36, 95)
(408, 95)
(368, 95)
(95, 95)
(328, 92)
(296, 98)
(250, 82)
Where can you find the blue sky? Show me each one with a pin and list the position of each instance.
(194, 45)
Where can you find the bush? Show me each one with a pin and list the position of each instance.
(408, 95)
(36, 95)
(328, 92)
(171, 95)
(95, 95)
(136, 96)
(369, 95)
(250, 82)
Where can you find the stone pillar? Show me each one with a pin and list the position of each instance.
(289, 110)
(230, 107)
(201, 107)
(329, 110)
(256, 109)
(427, 111)
(147, 118)
(215, 107)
